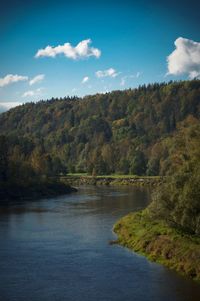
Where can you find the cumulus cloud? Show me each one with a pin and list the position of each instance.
(81, 50)
(31, 93)
(37, 79)
(5, 106)
(85, 79)
(11, 78)
(107, 73)
(185, 59)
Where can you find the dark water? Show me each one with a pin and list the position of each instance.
(58, 250)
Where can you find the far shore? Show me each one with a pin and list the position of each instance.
(85, 179)
(12, 192)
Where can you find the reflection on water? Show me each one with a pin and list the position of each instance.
(58, 249)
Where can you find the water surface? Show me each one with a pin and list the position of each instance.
(58, 249)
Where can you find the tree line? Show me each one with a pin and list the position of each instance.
(125, 132)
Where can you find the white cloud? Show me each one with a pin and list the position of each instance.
(85, 79)
(137, 75)
(123, 81)
(11, 78)
(81, 50)
(185, 59)
(5, 106)
(31, 93)
(28, 93)
(107, 73)
(37, 79)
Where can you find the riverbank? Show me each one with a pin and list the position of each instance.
(83, 179)
(35, 190)
(160, 243)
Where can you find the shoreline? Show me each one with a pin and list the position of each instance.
(12, 192)
(160, 243)
(111, 180)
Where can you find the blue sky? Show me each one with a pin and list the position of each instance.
(132, 40)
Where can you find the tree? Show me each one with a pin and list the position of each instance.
(138, 164)
(3, 158)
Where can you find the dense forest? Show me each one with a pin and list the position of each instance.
(177, 200)
(151, 130)
(143, 131)
(168, 230)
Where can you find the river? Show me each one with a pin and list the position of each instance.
(58, 250)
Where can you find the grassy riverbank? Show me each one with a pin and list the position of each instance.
(160, 243)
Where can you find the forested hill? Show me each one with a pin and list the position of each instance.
(148, 130)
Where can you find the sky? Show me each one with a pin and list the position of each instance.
(60, 48)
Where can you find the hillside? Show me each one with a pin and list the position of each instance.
(135, 131)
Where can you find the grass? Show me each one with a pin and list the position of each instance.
(77, 174)
(160, 243)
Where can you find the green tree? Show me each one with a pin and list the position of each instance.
(3, 158)
(138, 164)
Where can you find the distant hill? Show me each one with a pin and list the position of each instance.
(139, 131)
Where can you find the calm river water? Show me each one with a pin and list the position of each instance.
(58, 249)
